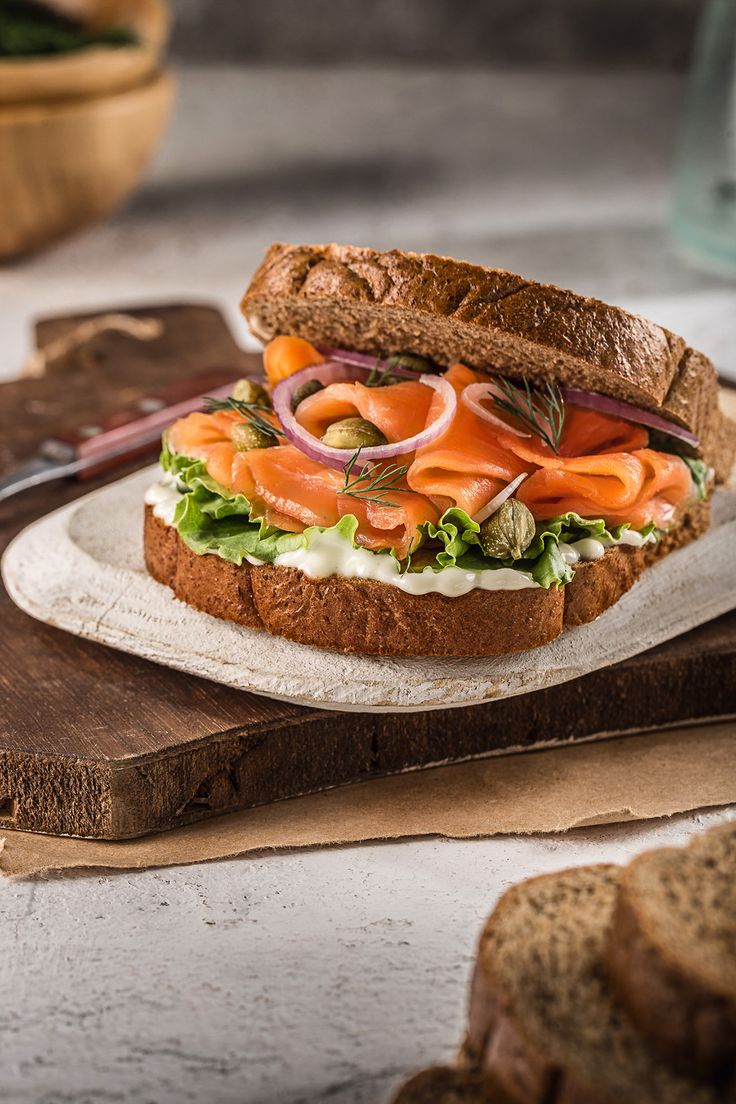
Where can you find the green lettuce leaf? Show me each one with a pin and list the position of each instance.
(458, 536)
(701, 474)
(233, 537)
(213, 527)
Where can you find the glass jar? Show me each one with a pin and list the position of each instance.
(704, 215)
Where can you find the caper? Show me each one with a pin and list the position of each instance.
(507, 533)
(303, 391)
(246, 436)
(247, 391)
(412, 362)
(353, 433)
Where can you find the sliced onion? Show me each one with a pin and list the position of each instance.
(472, 395)
(367, 361)
(500, 498)
(630, 413)
(331, 372)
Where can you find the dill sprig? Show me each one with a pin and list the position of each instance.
(542, 412)
(377, 481)
(252, 412)
(381, 377)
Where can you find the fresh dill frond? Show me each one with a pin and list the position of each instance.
(542, 412)
(382, 376)
(252, 412)
(372, 482)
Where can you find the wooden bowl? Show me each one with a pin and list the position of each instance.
(65, 164)
(99, 69)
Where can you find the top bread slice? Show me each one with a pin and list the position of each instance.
(491, 320)
(544, 1025)
(672, 951)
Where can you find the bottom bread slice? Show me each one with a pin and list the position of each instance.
(358, 615)
(672, 952)
(544, 1025)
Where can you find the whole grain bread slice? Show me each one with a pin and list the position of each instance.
(445, 1085)
(544, 1025)
(672, 951)
(383, 620)
(491, 320)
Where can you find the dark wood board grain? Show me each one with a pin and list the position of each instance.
(97, 743)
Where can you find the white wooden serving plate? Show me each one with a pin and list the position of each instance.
(81, 569)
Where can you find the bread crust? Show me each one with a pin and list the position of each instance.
(497, 1042)
(445, 1085)
(491, 320)
(689, 1022)
(501, 1046)
(357, 615)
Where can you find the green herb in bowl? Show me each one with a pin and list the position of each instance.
(30, 29)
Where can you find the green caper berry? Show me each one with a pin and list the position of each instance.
(247, 391)
(246, 436)
(507, 533)
(412, 362)
(353, 433)
(303, 391)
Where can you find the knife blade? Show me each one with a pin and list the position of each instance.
(133, 431)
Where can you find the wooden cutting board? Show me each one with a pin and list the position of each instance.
(102, 744)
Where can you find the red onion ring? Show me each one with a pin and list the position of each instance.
(366, 360)
(471, 397)
(605, 405)
(499, 499)
(331, 372)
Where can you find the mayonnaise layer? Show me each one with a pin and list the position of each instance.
(330, 554)
(590, 548)
(164, 497)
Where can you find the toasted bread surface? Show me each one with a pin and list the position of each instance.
(672, 951)
(357, 615)
(544, 1025)
(489, 319)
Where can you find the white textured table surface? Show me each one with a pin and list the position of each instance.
(313, 978)
(325, 976)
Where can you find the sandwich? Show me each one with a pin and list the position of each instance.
(440, 459)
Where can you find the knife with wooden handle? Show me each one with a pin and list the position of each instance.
(90, 449)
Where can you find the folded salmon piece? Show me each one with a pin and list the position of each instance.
(616, 478)
(468, 464)
(395, 527)
(291, 491)
(400, 410)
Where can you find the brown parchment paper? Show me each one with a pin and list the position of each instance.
(634, 777)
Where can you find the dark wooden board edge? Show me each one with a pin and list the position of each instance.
(692, 679)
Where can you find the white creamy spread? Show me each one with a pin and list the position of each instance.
(590, 548)
(164, 497)
(329, 554)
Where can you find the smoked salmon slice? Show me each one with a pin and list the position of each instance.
(467, 466)
(290, 490)
(637, 486)
(191, 436)
(400, 410)
(395, 527)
